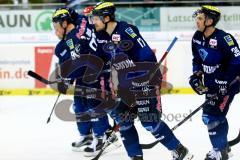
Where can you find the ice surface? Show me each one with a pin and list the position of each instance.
(24, 134)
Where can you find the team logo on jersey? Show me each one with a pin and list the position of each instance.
(229, 40)
(203, 53)
(213, 43)
(70, 43)
(130, 32)
(116, 38)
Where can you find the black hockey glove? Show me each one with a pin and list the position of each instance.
(62, 87)
(197, 85)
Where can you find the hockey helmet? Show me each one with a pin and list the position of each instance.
(61, 15)
(104, 9)
(209, 11)
(88, 10)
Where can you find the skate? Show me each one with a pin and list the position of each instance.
(82, 143)
(218, 155)
(99, 142)
(137, 158)
(95, 147)
(181, 153)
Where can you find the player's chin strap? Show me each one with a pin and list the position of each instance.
(64, 33)
(65, 30)
(206, 26)
(106, 23)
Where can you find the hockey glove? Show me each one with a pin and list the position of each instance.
(62, 87)
(197, 84)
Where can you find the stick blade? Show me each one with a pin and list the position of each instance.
(234, 141)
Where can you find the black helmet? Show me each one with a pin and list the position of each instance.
(104, 9)
(61, 14)
(211, 12)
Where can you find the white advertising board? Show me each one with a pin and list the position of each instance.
(17, 59)
(180, 18)
(14, 64)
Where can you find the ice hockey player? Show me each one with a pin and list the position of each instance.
(76, 38)
(117, 39)
(216, 63)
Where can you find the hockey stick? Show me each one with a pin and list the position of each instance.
(231, 143)
(45, 81)
(150, 145)
(234, 141)
(108, 141)
(163, 57)
(49, 118)
(41, 79)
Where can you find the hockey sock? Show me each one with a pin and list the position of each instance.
(100, 125)
(84, 128)
(164, 134)
(131, 140)
(218, 135)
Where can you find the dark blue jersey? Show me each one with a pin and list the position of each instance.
(217, 56)
(126, 52)
(129, 42)
(125, 39)
(79, 41)
(123, 51)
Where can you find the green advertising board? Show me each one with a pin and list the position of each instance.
(145, 18)
(36, 21)
(25, 21)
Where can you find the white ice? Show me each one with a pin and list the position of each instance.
(24, 134)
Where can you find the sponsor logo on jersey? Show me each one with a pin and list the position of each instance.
(203, 53)
(220, 82)
(116, 38)
(136, 84)
(196, 41)
(130, 32)
(213, 43)
(124, 64)
(209, 69)
(229, 40)
(236, 51)
(63, 52)
(101, 41)
(74, 55)
(144, 109)
(70, 43)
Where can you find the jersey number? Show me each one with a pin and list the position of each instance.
(141, 42)
(93, 43)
